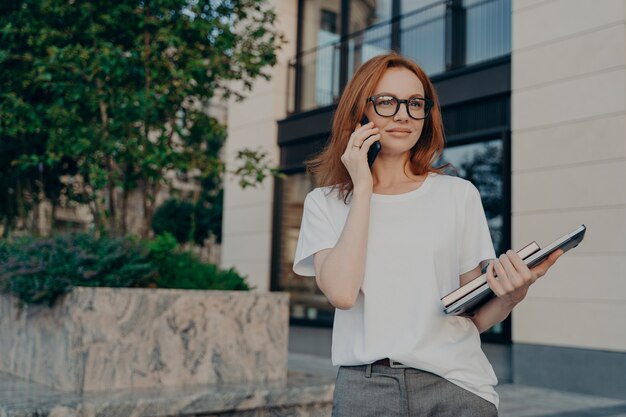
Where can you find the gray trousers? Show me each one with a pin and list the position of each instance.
(381, 391)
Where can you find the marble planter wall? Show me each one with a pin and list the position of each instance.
(99, 339)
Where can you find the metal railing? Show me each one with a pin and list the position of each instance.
(442, 36)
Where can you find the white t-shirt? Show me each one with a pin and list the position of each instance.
(419, 243)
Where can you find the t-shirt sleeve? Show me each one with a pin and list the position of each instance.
(316, 233)
(476, 244)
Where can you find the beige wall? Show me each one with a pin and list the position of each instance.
(247, 223)
(569, 166)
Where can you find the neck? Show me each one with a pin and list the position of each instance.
(391, 171)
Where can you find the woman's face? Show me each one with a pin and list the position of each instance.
(399, 133)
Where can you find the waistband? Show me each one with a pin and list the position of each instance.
(390, 363)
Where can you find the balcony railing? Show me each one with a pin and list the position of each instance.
(441, 37)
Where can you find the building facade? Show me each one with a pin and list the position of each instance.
(533, 98)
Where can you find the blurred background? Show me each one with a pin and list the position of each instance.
(187, 123)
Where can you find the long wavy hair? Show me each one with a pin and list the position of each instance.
(327, 168)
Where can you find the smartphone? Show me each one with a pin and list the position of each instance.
(372, 153)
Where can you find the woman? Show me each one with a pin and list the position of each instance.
(386, 244)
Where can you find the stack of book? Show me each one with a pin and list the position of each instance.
(468, 298)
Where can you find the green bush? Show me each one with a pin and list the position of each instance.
(182, 269)
(189, 222)
(37, 271)
(174, 217)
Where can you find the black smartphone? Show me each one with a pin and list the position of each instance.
(372, 153)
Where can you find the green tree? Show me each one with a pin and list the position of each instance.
(99, 96)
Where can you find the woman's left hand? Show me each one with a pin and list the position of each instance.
(514, 277)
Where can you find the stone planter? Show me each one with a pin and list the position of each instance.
(100, 339)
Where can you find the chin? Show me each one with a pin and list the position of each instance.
(394, 152)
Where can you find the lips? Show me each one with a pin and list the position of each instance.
(399, 130)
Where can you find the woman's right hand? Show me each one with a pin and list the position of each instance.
(354, 157)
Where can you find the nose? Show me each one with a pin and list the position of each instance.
(402, 113)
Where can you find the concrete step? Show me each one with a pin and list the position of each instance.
(300, 395)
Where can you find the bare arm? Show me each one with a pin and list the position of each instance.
(339, 271)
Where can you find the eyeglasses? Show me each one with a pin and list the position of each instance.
(387, 106)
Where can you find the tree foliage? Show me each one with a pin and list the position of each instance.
(188, 222)
(99, 96)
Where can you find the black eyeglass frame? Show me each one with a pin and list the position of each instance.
(428, 104)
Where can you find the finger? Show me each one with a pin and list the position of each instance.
(360, 144)
(355, 134)
(511, 272)
(369, 141)
(526, 276)
(518, 264)
(555, 255)
(363, 128)
(359, 125)
(542, 268)
(351, 141)
(503, 279)
(523, 275)
(361, 137)
(494, 284)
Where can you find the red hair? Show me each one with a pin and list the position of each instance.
(327, 168)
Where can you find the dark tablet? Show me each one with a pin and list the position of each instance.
(567, 242)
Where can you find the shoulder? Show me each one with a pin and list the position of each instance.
(456, 185)
(320, 193)
(456, 190)
(324, 198)
(324, 195)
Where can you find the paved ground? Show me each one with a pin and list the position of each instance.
(515, 400)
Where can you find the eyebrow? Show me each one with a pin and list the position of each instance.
(418, 95)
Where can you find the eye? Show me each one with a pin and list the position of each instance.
(416, 103)
(386, 101)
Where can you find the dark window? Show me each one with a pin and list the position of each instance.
(328, 21)
(481, 163)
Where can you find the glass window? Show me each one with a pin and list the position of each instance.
(321, 29)
(407, 6)
(422, 34)
(368, 37)
(420, 31)
(321, 21)
(328, 22)
(364, 13)
(488, 29)
(481, 163)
